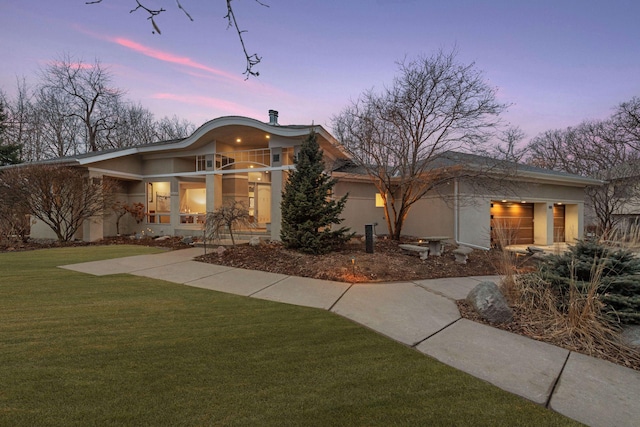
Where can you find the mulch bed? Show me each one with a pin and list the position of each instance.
(352, 264)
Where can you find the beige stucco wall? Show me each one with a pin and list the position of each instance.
(128, 165)
(360, 208)
(157, 166)
(435, 214)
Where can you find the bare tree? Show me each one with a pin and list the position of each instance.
(510, 147)
(87, 87)
(627, 117)
(230, 215)
(597, 149)
(398, 135)
(153, 12)
(61, 197)
(23, 124)
(135, 126)
(173, 128)
(61, 133)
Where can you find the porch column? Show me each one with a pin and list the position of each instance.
(543, 223)
(573, 222)
(276, 200)
(213, 185)
(174, 192)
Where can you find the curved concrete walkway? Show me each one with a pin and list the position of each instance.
(423, 314)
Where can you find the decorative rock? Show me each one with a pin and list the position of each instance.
(163, 238)
(489, 302)
(220, 250)
(188, 240)
(254, 241)
(631, 335)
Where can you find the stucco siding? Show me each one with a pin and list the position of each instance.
(429, 216)
(127, 165)
(361, 206)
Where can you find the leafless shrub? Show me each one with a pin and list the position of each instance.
(231, 215)
(61, 197)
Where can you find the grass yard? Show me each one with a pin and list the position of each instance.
(124, 350)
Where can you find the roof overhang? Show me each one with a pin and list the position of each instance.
(225, 125)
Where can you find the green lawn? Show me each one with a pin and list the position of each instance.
(123, 350)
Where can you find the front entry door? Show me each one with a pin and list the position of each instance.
(263, 205)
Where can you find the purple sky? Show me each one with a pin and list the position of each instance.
(558, 62)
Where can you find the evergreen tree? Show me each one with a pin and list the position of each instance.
(307, 210)
(617, 272)
(9, 154)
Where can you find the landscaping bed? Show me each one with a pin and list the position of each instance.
(352, 264)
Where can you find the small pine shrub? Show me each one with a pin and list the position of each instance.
(615, 271)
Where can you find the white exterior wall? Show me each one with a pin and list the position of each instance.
(474, 223)
(574, 222)
(543, 223)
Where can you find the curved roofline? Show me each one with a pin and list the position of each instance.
(290, 131)
(280, 130)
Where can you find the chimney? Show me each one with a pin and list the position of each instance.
(273, 117)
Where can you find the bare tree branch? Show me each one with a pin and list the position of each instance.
(252, 60)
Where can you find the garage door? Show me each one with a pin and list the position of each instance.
(514, 221)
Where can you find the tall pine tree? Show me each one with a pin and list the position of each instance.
(308, 213)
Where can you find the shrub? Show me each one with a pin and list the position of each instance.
(614, 273)
(230, 215)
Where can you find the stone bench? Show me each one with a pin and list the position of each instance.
(422, 250)
(462, 254)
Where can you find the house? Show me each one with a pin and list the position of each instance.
(238, 158)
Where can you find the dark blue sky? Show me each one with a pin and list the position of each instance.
(558, 62)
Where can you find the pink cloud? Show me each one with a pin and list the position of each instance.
(171, 58)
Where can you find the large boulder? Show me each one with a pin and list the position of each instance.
(489, 302)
